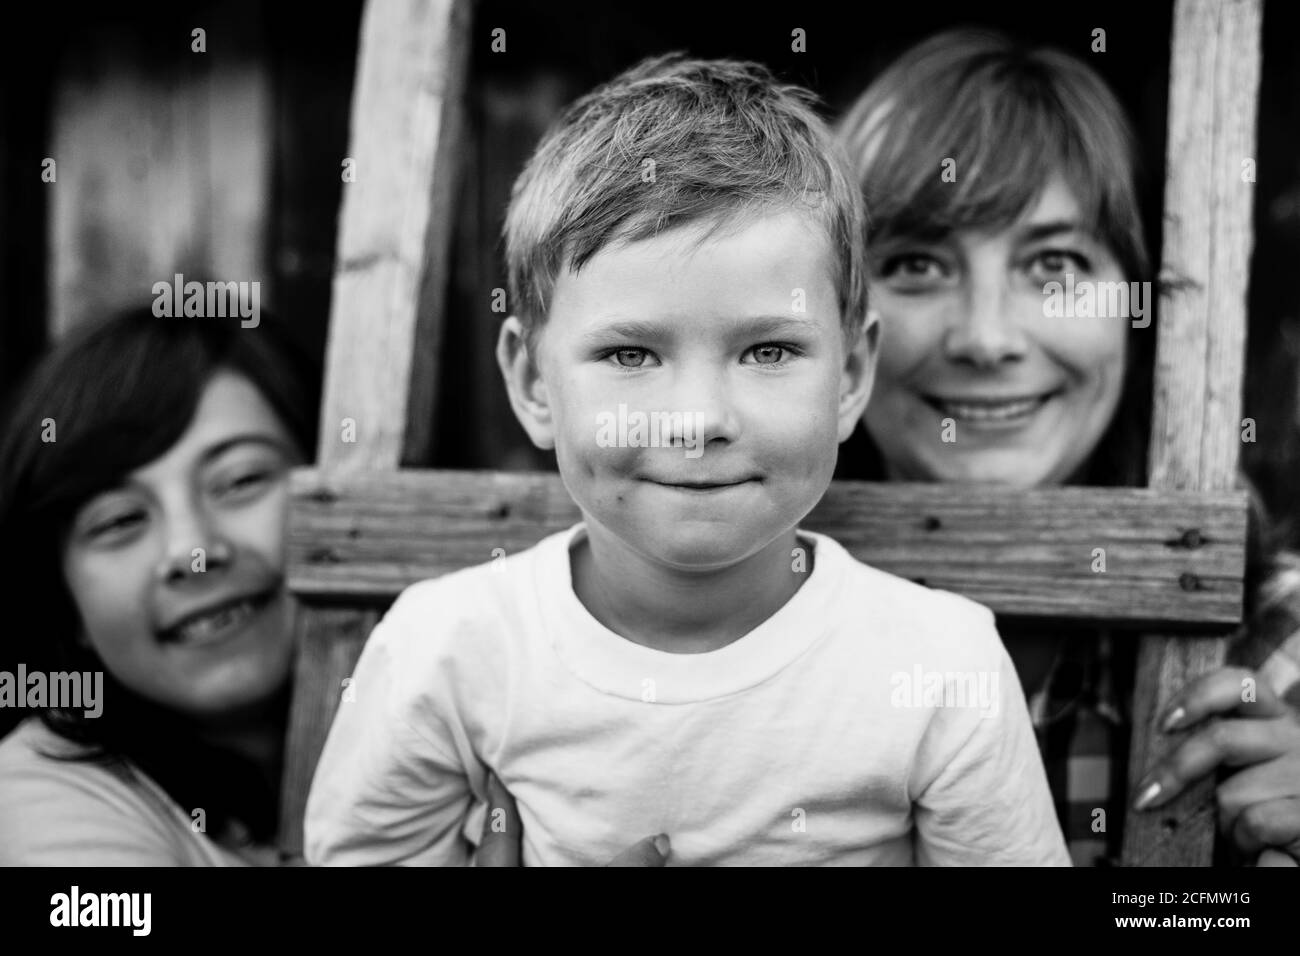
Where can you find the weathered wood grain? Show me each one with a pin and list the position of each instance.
(1169, 556)
(392, 264)
(1196, 426)
(163, 159)
(329, 642)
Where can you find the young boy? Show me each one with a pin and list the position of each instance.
(691, 337)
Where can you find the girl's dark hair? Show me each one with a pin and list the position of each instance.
(117, 395)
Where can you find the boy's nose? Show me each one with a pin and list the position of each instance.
(708, 411)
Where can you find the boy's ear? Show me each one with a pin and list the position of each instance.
(528, 395)
(858, 374)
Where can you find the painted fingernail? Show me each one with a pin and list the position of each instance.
(661, 844)
(1150, 793)
(1174, 719)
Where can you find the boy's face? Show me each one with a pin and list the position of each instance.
(695, 390)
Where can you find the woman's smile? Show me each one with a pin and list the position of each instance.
(989, 412)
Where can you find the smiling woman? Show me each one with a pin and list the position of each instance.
(982, 378)
(1028, 394)
(1042, 189)
(143, 492)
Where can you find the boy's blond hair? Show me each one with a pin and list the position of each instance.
(674, 141)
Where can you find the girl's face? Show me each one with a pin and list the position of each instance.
(979, 381)
(178, 575)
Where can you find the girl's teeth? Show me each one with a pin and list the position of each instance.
(211, 624)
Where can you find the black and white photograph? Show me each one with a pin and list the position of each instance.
(486, 433)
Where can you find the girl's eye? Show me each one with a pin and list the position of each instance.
(246, 482)
(116, 523)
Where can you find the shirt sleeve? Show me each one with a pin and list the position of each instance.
(985, 800)
(384, 791)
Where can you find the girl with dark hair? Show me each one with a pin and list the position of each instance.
(143, 494)
(1041, 190)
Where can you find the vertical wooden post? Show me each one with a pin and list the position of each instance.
(394, 233)
(386, 314)
(1196, 428)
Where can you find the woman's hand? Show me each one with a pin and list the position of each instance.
(501, 845)
(1259, 805)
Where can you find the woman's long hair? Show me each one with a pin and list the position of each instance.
(120, 394)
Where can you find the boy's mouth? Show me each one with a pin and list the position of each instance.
(703, 487)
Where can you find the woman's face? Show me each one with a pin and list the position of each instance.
(178, 574)
(978, 380)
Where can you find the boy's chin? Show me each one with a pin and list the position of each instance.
(701, 547)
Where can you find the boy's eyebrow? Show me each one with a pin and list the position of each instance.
(650, 331)
(624, 329)
(777, 325)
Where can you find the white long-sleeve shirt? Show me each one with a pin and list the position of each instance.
(868, 721)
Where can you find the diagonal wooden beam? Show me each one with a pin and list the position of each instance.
(1167, 556)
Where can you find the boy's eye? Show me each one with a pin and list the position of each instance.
(630, 357)
(767, 354)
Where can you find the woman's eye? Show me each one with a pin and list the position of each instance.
(1058, 262)
(914, 267)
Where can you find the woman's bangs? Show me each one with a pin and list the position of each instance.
(990, 154)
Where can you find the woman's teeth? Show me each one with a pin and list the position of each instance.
(990, 411)
(215, 624)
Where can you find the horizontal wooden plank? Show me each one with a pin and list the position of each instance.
(1174, 558)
